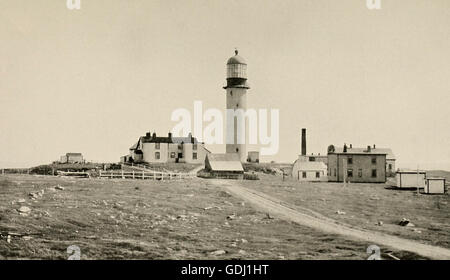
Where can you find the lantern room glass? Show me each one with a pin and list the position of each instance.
(237, 71)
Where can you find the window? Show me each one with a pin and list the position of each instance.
(312, 159)
(180, 146)
(157, 155)
(317, 174)
(359, 173)
(349, 173)
(304, 174)
(349, 160)
(194, 156)
(374, 173)
(157, 146)
(172, 155)
(194, 147)
(390, 167)
(374, 160)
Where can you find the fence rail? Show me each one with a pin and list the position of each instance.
(145, 175)
(73, 173)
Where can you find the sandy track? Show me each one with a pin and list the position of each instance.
(314, 220)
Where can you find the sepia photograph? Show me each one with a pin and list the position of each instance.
(199, 131)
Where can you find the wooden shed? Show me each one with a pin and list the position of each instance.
(226, 166)
(411, 179)
(435, 185)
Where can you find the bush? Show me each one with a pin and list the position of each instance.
(42, 170)
(251, 176)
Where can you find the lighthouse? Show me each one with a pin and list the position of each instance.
(236, 90)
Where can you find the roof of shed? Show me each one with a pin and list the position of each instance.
(225, 162)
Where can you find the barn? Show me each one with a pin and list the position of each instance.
(225, 166)
(411, 178)
(435, 185)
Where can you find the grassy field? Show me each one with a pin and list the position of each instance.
(125, 219)
(365, 205)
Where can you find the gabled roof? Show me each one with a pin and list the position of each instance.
(134, 147)
(224, 162)
(166, 139)
(310, 165)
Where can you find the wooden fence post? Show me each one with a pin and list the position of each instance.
(133, 174)
(122, 175)
(143, 176)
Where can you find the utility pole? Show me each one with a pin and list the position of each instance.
(344, 170)
(417, 179)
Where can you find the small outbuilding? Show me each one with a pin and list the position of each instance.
(225, 166)
(253, 157)
(411, 179)
(309, 171)
(435, 185)
(72, 158)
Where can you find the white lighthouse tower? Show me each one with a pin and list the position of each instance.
(236, 90)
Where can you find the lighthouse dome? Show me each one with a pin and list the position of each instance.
(236, 59)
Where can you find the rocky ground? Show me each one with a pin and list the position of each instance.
(41, 216)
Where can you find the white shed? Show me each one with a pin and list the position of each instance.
(309, 171)
(411, 178)
(435, 185)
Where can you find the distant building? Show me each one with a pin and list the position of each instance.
(309, 171)
(253, 156)
(226, 166)
(304, 157)
(309, 167)
(153, 149)
(390, 160)
(313, 158)
(72, 158)
(361, 165)
(411, 178)
(435, 185)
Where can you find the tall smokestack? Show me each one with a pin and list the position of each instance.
(303, 141)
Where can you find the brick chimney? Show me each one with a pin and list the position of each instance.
(303, 141)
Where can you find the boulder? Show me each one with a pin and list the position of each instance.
(218, 252)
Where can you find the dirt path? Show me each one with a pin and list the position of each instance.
(315, 220)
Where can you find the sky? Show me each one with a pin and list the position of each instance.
(93, 80)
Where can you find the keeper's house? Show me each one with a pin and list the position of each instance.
(153, 149)
(359, 165)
